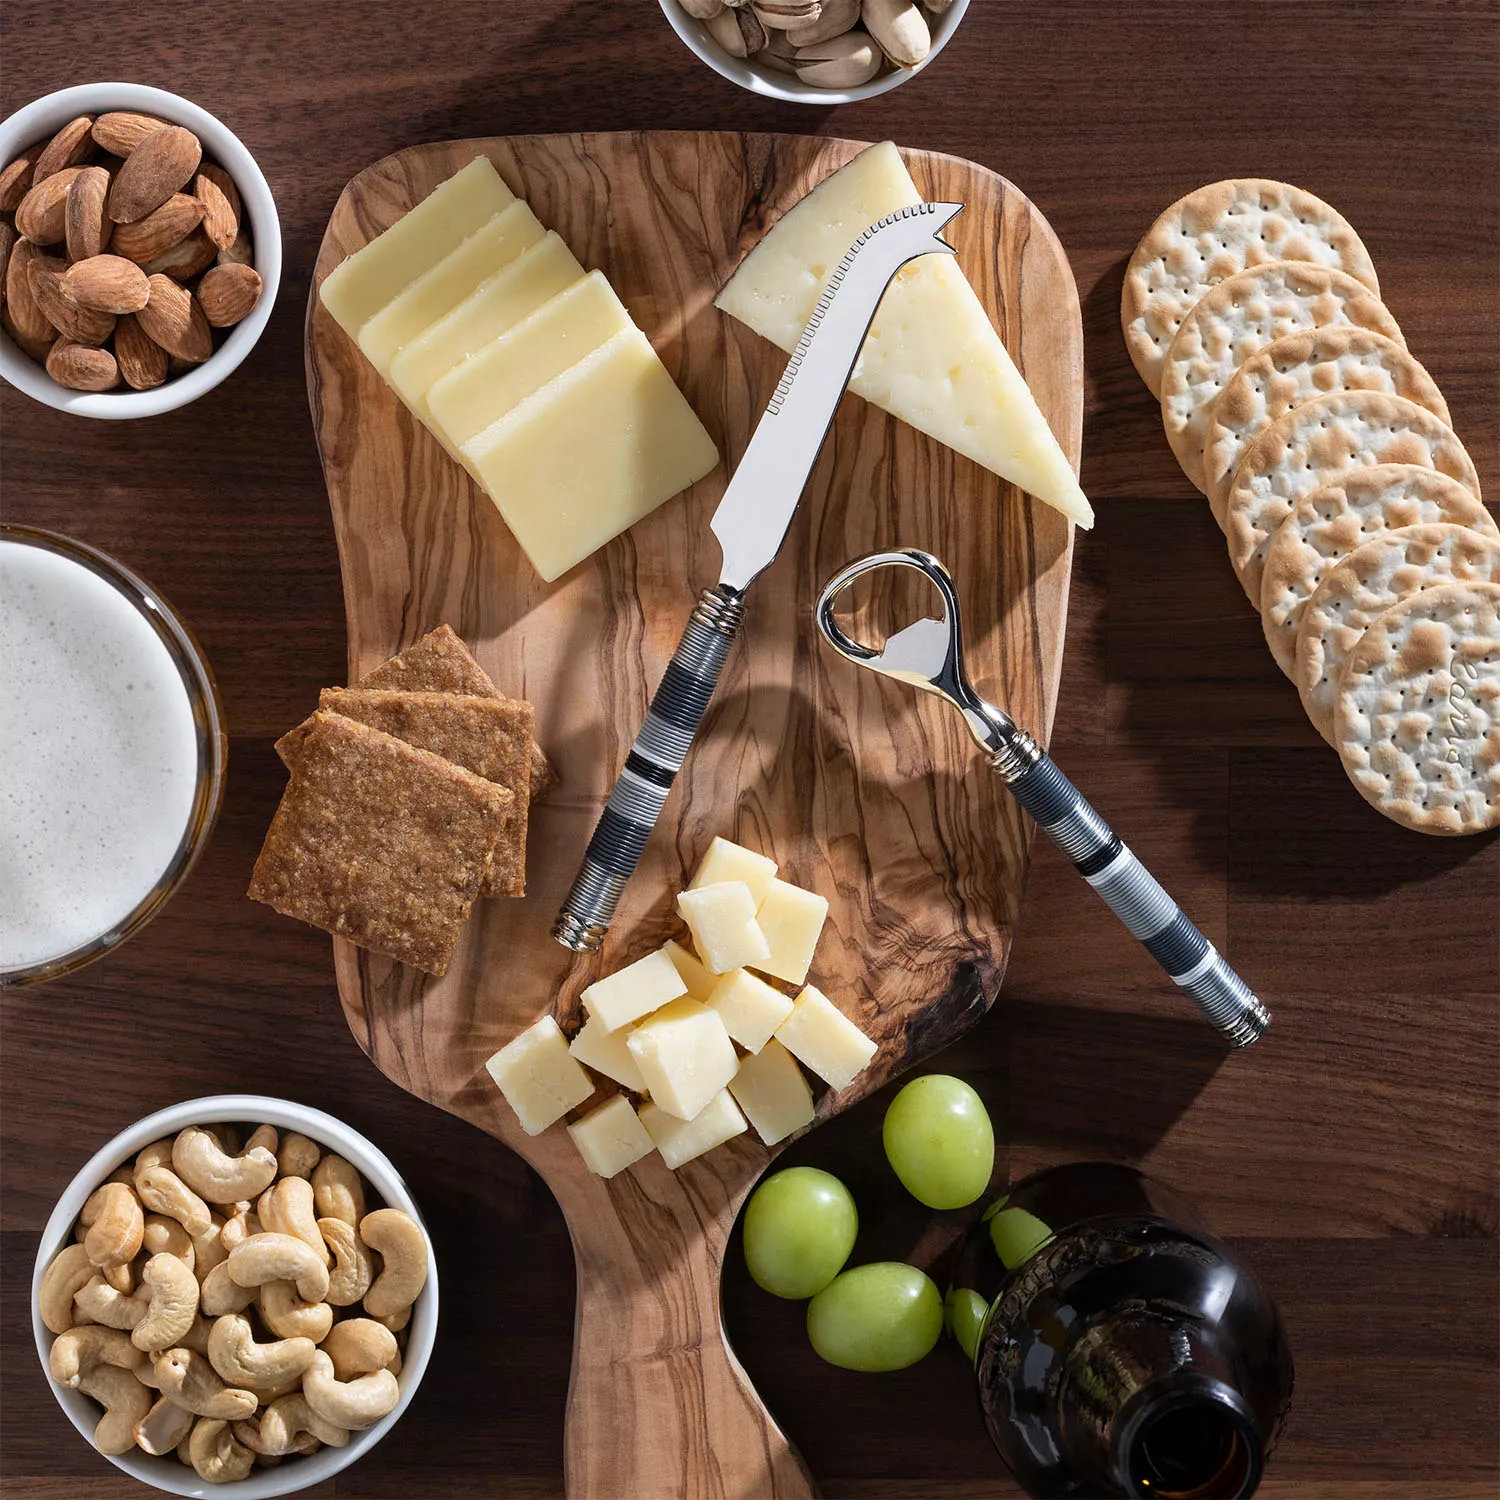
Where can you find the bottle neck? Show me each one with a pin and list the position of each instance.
(1153, 1408)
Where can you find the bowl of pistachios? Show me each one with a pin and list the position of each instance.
(816, 51)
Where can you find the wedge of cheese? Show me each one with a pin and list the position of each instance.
(932, 357)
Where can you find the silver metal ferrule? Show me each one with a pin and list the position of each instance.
(1016, 754)
(720, 609)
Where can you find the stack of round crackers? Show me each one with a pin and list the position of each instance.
(1351, 510)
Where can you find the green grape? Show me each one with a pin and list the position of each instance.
(939, 1139)
(966, 1310)
(1016, 1235)
(799, 1229)
(883, 1316)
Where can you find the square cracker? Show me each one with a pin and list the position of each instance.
(441, 663)
(379, 842)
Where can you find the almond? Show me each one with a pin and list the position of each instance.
(185, 259)
(70, 147)
(15, 181)
(22, 309)
(86, 227)
(35, 347)
(81, 324)
(142, 361)
(106, 283)
(214, 188)
(163, 162)
(7, 244)
(227, 293)
(240, 253)
(81, 367)
(41, 216)
(162, 228)
(173, 319)
(122, 130)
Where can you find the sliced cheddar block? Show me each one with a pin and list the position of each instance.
(355, 290)
(591, 453)
(611, 1138)
(685, 1056)
(491, 248)
(722, 920)
(822, 1038)
(679, 1141)
(699, 981)
(633, 992)
(606, 1052)
(500, 376)
(774, 1095)
(750, 1009)
(539, 1077)
(932, 356)
(792, 920)
(730, 861)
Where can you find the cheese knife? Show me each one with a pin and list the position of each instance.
(751, 523)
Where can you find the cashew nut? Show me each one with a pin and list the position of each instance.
(233, 1352)
(157, 1154)
(196, 1338)
(125, 1401)
(281, 1257)
(397, 1321)
(101, 1303)
(163, 1236)
(121, 1278)
(115, 1224)
(209, 1249)
(338, 1191)
(191, 1381)
(286, 1207)
(164, 1192)
(216, 1456)
(266, 1394)
(238, 1227)
(298, 1155)
(77, 1352)
(264, 1136)
(163, 1427)
(355, 1404)
(125, 1174)
(286, 1418)
(289, 1318)
(403, 1250)
(221, 1293)
(354, 1266)
(360, 1346)
(203, 1165)
(249, 1433)
(70, 1269)
(183, 1456)
(174, 1304)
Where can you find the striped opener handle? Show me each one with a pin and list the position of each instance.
(677, 709)
(928, 655)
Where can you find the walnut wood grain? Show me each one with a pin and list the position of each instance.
(856, 790)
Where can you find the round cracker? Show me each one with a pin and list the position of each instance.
(1239, 318)
(1314, 444)
(1295, 369)
(1331, 522)
(1418, 711)
(1361, 587)
(1214, 233)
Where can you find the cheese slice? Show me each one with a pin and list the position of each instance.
(633, 992)
(730, 861)
(823, 1038)
(700, 981)
(496, 306)
(792, 921)
(491, 248)
(484, 387)
(611, 1138)
(932, 356)
(591, 453)
(722, 920)
(679, 1141)
(771, 1090)
(750, 1009)
(540, 1079)
(356, 289)
(605, 1052)
(685, 1056)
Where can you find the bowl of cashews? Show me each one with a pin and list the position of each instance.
(236, 1294)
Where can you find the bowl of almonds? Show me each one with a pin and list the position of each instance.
(140, 248)
(816, 51)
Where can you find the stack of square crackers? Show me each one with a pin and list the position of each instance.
(408, 799)
(1351, 509)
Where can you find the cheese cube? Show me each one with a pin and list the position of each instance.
(611, 1138)
(685, 1056)
(727, 861)
(774, 1095)
(357, 288)
(751, 1010)
(540, 1079)
(680, 1141)
(700, 981)
(605, 1052)
(633, 992)
(822, 1038)
(591, 453)
(722, 921)
(792, 921)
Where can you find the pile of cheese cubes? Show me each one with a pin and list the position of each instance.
(666, 1027)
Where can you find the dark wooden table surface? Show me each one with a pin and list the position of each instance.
(1351, 1156)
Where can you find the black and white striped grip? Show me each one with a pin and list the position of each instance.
(619, 838)
(1133, 894)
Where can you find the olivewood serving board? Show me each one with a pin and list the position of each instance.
(860, 790)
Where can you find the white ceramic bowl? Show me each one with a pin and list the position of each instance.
(292, 1474)
(760, 79)
(40, 120)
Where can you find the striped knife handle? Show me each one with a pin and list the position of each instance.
(1130, 891)
(660, 748)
